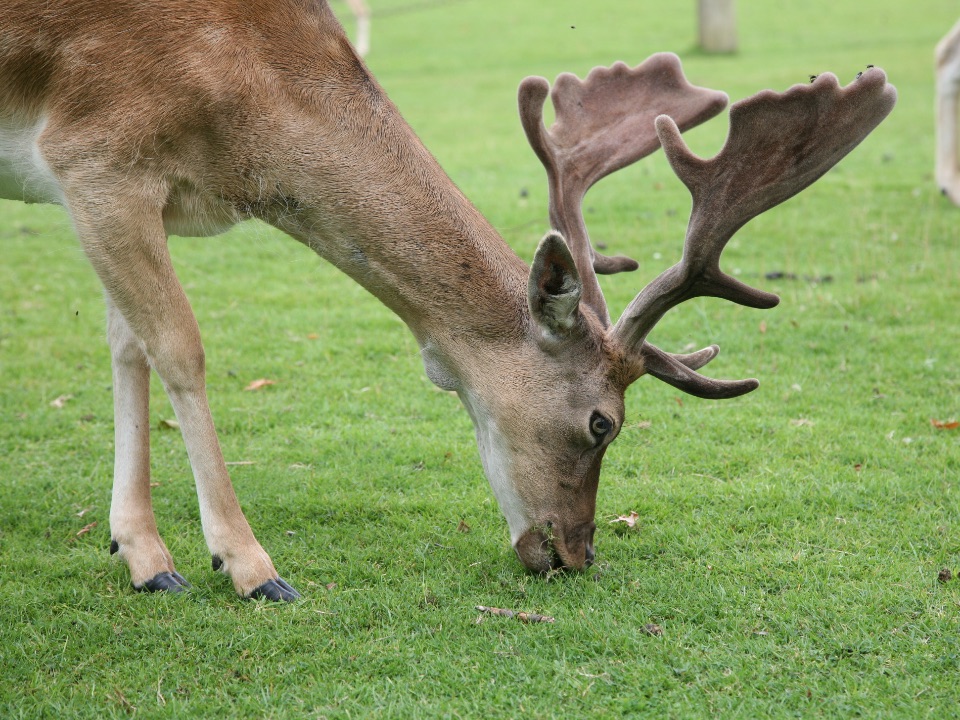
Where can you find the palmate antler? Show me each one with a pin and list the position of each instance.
(602, 124)
(778, 144)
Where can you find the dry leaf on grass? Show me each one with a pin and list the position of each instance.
(261, 383)
(60, 401)
(86, 528)
(168, 425)
(629, 520)
(945, 424)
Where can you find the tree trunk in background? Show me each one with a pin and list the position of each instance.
(718, 26)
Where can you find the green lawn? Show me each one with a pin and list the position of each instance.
(789, 541)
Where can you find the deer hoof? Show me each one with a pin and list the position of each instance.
(171, 582)
(278, 590)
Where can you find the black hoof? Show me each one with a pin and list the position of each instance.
(171, 582)
(277, 590)
(114, 547)
(216, 561)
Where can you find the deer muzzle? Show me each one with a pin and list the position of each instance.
(546, 548)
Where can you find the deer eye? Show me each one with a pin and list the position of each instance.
(600, 426)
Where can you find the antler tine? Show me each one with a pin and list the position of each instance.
(679, 371)
(778, 144)
(604, 123)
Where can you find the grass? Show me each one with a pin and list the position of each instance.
(789, 541)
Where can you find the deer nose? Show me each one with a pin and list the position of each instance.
(590, 555)
(588, 548)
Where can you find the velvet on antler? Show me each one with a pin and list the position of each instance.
(604, 123)
(778, 144)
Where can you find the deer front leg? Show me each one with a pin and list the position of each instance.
(127, 247)
(133, 529)
(948, 95)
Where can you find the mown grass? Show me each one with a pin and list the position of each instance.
(789, 542)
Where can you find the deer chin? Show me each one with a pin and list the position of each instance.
(536, 552)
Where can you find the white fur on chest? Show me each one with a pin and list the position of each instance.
(24, 175)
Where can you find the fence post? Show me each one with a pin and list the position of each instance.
(718, 26)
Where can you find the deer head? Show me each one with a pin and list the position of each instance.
(573, 366)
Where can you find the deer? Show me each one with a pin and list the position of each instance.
(947, 162)
(172, 117)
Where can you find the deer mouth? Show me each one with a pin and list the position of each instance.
(542, 551)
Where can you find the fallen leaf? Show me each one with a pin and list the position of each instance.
(313, 336)
(630, 520)
(653, 629)
(944, 575)
(168, 425)
(84, 511)
(763, 327)
(945, 424)
(257, 384)
(644, 425)
(60, 401)
(463, 527)
(802, 422)
(86, 528)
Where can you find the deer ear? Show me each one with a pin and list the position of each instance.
(554, 287)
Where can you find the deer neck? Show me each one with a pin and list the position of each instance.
(378, 206)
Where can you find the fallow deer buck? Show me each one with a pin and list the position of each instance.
(149, 118)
